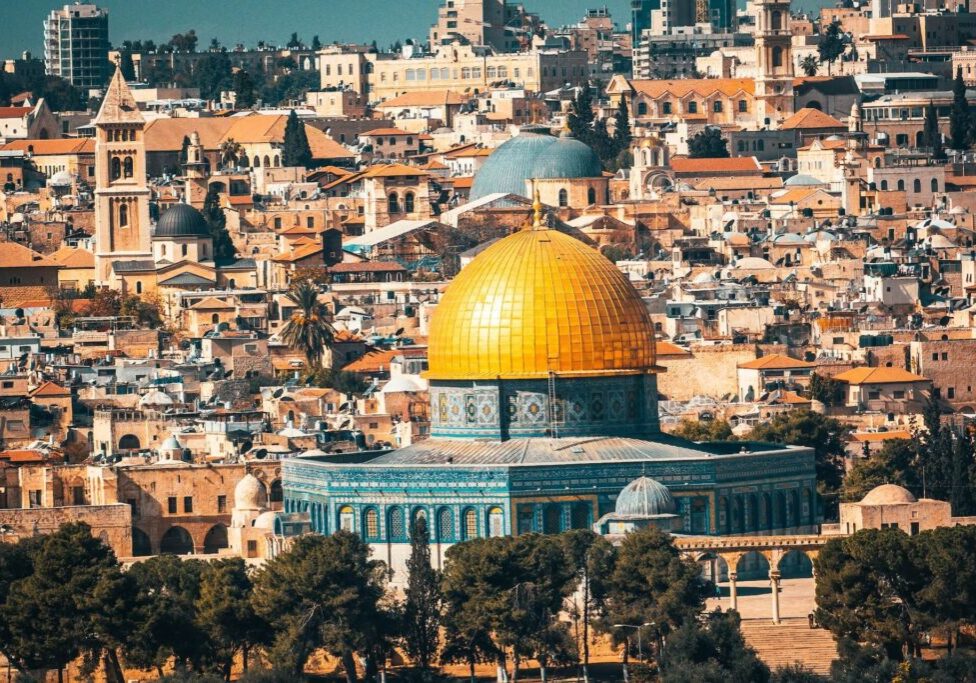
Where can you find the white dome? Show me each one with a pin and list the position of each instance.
(645, 497)
(753, 263)
(249, 494)
(802, 180)
(404, 384)
(888, 494)
(156, 398)
(60, 179)
(266, 520)
(292, 432)
(171, 444)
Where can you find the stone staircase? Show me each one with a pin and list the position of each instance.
(792, 640)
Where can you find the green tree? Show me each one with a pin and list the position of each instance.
(652, 584)
(708, 144)
(184, 151)
(474, 574)
(294, 42)
(960, 120)
(622, 135)
(244, 89)
(831, 44)
(126, 65)
(343, 382)
(580, 118)
(825, 435)
(931, 134)
(317, 44)
(704, 430)
(810, 65)
(73, 603)
(324, 592)
(184, 42)
(166, 628)
(796, 673)
(308, 330)
(896, 462)
(711, 652)
(827, 390)
(592, 558)
(230, 153)
(422, 607)
(225, 614)
(223, 247)
(213, 74)
(297, 151)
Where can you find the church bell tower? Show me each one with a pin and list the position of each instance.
(774, 63)
(122, 227)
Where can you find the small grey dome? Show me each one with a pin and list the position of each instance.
(645, 497)
(534, 155)
(182, 220)
(802, 180)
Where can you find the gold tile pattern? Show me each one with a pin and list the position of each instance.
(536, 302)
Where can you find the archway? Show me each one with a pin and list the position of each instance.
(714, 568)
(752, 565)
(141, 546)
(176, 541)
(129, 442)
(215, 540)
(276, 494)
(795, 564)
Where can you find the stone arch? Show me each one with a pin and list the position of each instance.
(129, 442)
(714, 567)
(753, 564)
(795, 563)
(215, 540)
(176, 541)
(396, 528)
(445, 524)
(141, 545)
(276, 493)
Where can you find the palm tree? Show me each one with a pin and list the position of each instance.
(230, 152)
(810, 65)
(308, 330)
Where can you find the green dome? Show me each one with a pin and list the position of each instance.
(534, 155)
(182, 220)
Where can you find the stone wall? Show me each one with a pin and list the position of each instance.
(709, 371)
(111, 523)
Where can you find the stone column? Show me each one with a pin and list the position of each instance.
(732, 594)
(774, 582)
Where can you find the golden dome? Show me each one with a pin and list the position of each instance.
(536, 302)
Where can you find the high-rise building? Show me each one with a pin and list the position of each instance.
(76, 45)
(478, 22)
(640, 17)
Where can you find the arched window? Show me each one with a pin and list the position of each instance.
(717, 106)
(396, 530)
(901, 185)
(138, 287)
(393, 203)
(371, 524)
(215, 318)
(877, 162)
(267, 161)
(408, 200)
(935, 184)
(347, 520)
(917, 185)
(470, 524)
(591, 196)
(162, 250)
(563, 198)
(884, 185)
(184, 249)
(123, 215)
(496, 522)
(445, 525)
(116, 168)
(127, 167)
(777, 56)
(776, 21)
(257, 161)
(642, 108)
(277, 161)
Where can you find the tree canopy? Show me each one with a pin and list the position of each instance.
(708, 144)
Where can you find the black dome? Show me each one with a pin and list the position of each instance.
(182, 220)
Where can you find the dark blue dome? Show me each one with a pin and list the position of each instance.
(182, 220)
(534, 155)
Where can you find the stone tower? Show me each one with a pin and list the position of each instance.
(774, 63)
(122, 229)
(195, 172)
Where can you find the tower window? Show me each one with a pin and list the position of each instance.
(408, 203)
(138, 287)
(393, 203)
(123, 215)
(777, 56)
(116, 168)
(127, 167)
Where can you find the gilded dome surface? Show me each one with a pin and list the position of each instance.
(534, 155)
(536, 302)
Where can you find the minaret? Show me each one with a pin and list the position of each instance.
(855, 122)
(122, 228)
(774, 63)
(195, 172)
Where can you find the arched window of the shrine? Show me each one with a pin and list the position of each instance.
(445, 525)
(347, 519)
(371, 524)
(396, 530)
(591, 196)
(496, 522)
(470, 521)
(275, 492)
(128, 167)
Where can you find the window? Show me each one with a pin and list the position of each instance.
(171, 505)
(445, 525)
(393, 203)
(134, 504)
(123, 215)
(642, 108)
(221, 503)
(563, 198)
(901, 185)
(717, 106)
(874, 395)
(743, 106)
(666, 108)
(408, 203)
(397, 529)
(127, 166)
(310, 222)
(591, 196)
(917, 185)
(187, 504)
(693, 107)
(945, 355)
(139, 287)
(496, 524)
(116, 168)
(951, 392)
(935, 185)
(372, 523)
(914, 528)
(346, 520)
(898, 394)
(777, 56)
(470, 524)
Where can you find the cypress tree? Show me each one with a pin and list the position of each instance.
(580, 119)
(223, 247)
(297, 151)
(621, 130)
(244, 89)
(126, 65)
(422, 610)
(931, 134)
(959, 117)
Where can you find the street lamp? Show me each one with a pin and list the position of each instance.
(637, 627)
